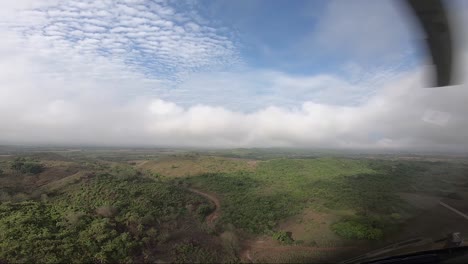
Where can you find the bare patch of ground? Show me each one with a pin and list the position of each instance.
(61, 183)
(53, 171)
(313, 228)
(317, 243)
(252, 163)
(267, 250)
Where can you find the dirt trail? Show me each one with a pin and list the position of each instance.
(211, 218)
(256, 245)
(301, 248)
(253, 247)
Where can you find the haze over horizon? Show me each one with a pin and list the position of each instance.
(309, 74)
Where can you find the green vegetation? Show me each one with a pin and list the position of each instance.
(137, 207)
(283, 237)
(241, 206)
(36, 232)
(368, 227)
(277, 189)
(190, 252)
(105, 219)
(204, 210)
(26, 166)
(193, 165)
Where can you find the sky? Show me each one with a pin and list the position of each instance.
(225, 74)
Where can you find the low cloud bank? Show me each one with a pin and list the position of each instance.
(402, 115)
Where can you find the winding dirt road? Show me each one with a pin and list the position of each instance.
(211, 218)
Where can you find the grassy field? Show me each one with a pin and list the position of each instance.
(134, 206)
(192, 165)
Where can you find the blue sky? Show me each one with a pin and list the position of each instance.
(172, 41)
(291, 36)
(215, 73)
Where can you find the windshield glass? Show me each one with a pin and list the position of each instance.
(231, 131)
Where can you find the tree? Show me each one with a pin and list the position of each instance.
(18, 164)
(204, 210)
(32, 167)
(283, 237)
(24, 166)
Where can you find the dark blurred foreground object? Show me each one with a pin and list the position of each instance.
(445, 255)
(432, 15)
(452, 251)
(454, 240)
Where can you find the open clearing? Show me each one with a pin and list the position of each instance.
(195, 165)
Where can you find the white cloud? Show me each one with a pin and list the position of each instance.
(155, 43)
(366, 30)
(436, 117)
(380, 37)
(79, 108)
(90, 89)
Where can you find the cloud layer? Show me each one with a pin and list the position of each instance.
(149, 37)
(110, 81)
(402, 115)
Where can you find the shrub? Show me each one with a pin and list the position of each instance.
(395, 216)
(192, 253)
(125, 172)
(204, 210)
(24, 166)
(32, 167)
(354, 229)
(17, 164)
(283, 237)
